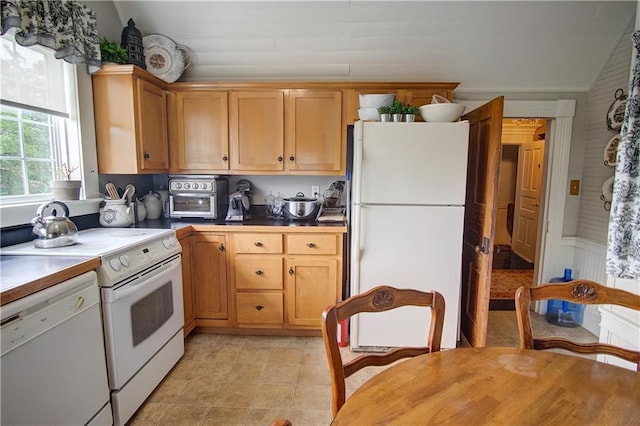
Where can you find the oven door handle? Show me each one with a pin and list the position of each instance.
(148, 280)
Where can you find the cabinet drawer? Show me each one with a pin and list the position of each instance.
(312, 243)
(255, 273)
(260, 308)
(258, 243)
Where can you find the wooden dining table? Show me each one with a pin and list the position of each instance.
(499, 386)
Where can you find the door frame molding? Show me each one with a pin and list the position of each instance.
(554, 254)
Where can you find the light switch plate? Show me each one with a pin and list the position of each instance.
(574, 187)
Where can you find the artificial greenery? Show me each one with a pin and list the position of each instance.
(396, 107)
(384, 110)
(111, 51)
(410, 109)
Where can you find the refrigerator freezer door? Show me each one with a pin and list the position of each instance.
(407, 247)
(410, 163)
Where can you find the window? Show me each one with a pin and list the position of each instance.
(38, 135)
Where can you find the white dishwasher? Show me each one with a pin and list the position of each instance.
(53, 368)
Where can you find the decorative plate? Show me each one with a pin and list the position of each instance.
(611, 151)
(615, 115)
(607, 189)
(164, 58)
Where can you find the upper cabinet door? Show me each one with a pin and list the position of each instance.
(256, 130)
(151, 117)
(200, 132)
(315, 133)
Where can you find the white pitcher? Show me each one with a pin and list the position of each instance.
(116, 214)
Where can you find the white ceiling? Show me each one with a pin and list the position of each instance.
(487, 46)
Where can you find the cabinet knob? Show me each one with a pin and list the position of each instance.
(280, 158)
(292, 158)
(146, 155)
(221, 247)
(259, 307)
(259, 272)
(258, 244)
(290, 271)
(224, 158)
(311, 245)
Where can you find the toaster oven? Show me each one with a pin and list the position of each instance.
(198, 196)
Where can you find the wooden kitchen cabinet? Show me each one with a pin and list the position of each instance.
(187, 287)
(131, 121)
(315, 132)
(416, 94)
(313, 277)
(209, 275)
(199, 132)
(256, 130)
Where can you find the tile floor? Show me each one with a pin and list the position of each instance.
(252, 380)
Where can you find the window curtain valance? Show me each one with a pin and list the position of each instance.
(68, 27)
(623, 245)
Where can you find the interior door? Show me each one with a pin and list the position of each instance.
(485, 135)
(528, 194)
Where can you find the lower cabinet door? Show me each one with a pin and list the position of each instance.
(255, 309)
(311, 286)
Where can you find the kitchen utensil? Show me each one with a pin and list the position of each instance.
(152, 202)
(116, 214)
(239, 205)
(437, 99)
(129, 191)
(300, 207)
(112, 191)
(54, 231)
(333, 194)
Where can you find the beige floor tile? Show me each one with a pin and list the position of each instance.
(312, 397)
(199, 393)
(314, 374)
(212, 371)
(232, 340)
(280, 373)
(225, 353)
(264, 417)
(291, 342)
(261, 341)
(220, 416)
(168, 390)
(254, 354)
(149, 414)
(184, 415)
(310, 417)
(245, 372)
(274, 396)
(286, 355)
(185, 369)
(236, 395)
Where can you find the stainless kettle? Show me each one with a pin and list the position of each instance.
(55, 230)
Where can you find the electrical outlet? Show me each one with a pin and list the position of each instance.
(315, 191)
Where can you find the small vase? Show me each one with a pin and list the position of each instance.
(66, 189)
(397, 118)
(409, 118)
(385, 118)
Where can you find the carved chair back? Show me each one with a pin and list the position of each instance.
(378, 299)
(577, 291)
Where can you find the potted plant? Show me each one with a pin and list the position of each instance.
(112, 52)
(410, 113)
(64, 188)
(396, 111)
(385, 113)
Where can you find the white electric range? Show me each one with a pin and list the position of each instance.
(141, 294)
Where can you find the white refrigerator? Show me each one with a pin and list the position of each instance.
(407, 216)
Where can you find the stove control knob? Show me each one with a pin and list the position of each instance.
(168, 243)
(115, 265)
(124, 259)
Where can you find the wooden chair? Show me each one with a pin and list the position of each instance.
(576, 291)
(378, 299)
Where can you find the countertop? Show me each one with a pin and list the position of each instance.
(21, 276)
(24, 275)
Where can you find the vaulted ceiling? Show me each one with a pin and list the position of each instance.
(487, 46)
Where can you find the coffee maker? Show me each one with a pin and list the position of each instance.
(240, 202)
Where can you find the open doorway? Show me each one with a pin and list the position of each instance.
(520, 195)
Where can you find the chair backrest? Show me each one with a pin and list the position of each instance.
(576, 291)
(378, 299)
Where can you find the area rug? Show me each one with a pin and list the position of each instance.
(505, 282)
